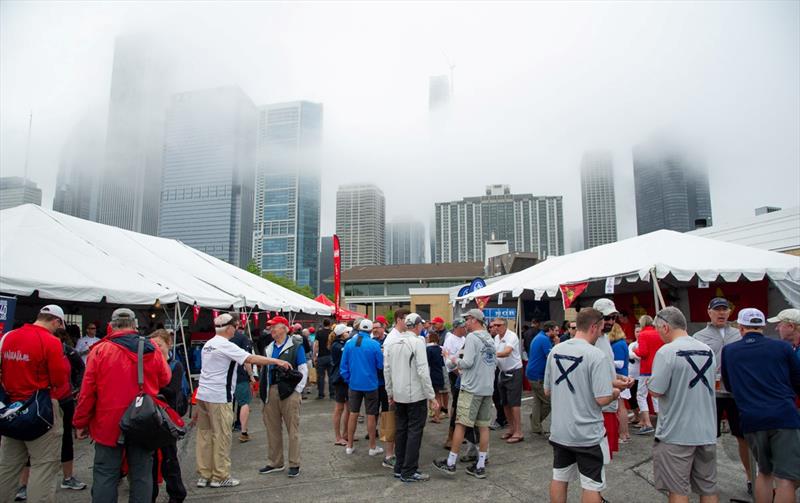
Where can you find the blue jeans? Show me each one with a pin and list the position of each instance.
(323, 366)
(106, 473)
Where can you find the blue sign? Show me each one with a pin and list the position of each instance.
(508, 313)
(476, 284)
(464, 290)
(7, 307)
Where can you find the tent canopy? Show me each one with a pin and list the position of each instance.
(344, 314)
(667, 252)
(69, 258)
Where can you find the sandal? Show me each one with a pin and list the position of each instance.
(341, 442)
(514, 440)
(506, 436)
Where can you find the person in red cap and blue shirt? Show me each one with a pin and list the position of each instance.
(764, 376)
(32, 359)
(438, 325)
(277, 410)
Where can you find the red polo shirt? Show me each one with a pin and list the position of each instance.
(32, 359)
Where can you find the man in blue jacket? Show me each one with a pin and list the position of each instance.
(537, 361)
(361, 360)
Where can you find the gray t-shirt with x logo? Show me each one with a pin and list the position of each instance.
(683, 372)
(576, 374)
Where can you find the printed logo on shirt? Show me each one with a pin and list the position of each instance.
(699, 371)
(575, 361)
(17, 356)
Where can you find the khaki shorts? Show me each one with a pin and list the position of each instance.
(473, 410)
(681, 469)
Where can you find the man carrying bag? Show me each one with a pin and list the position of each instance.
(110, 384)
(32, 364)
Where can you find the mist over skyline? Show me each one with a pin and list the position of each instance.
(536, 85)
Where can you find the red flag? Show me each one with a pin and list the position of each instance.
(214, 314)
(255, 318)
(243, 318)
(337, 273)
(195, 312)
(481, 301)
(571, 292)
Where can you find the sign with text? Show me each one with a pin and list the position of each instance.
(7, 307)
(508, 313)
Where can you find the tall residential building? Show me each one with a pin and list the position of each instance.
(288, 191)
(325, 265)
(671, 189)
(129, 187)
(361, 225)
(438, 92)
(405, 242)
(80, 165)
(529, 224)
(209, 173)
(597, 194)
(16, 190)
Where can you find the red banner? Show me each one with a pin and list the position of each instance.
(481, 301)
(571, 292)
(214, 314)
(195, 313)
(337, 273)
(255, 318)
(243, 318)
(740, 294)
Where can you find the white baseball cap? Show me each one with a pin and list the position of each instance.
(340, 329)
(413, 319)
(751, 317)
(605, 306)
(365, 325)
(54, 310)
(790, 315)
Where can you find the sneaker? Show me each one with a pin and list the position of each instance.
(201, 482)
(22, 494)
(645, 430)
(294, 471)
(478, 473)
(73, 483)
(229, 482)
(442, 466)
(416, 477)
(495, 426)
(396, 475)
(271, 469)
(389, 462)
(320, 397)
(244, 437)
(376, 451)
(349, 450)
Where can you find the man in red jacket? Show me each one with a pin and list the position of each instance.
(109, 386)
(31, 360)
(648, 344)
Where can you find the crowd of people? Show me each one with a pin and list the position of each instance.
(596, 387)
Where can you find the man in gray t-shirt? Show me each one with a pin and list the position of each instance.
(579, 382)
(684, 455)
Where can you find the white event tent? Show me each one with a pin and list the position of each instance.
(68, 258)
(664, 253)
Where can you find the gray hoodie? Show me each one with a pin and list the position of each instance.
(478, 364)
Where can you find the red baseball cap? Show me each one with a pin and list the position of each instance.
(278, 320)
(311, 330)
(438, 319)
(381, 320)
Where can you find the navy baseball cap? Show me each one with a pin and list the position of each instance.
(719, 302)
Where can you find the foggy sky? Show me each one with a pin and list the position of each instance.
(536, 85)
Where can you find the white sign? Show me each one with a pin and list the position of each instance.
(701, 283)
(610, 285)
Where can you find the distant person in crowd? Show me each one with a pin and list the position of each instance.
(509, 364)
(399, 325)
(170, 464)
(788, 328)
(529, 334)
(243, 394)
(282, 396)
(426, 328)
(500, 420)
(379, 336)
(537, 361)
(620, 348)
(341, 412)
(362, 359)
(435, 362)
(685, 449)
(86, 342)
(716, 335)
(579, 383)
(648, 343)
(609, 311)
(215, 392)
(322, 360)
(633, 373)
(438, 326)
(568, 332)
(452, 347)
(476, 368)
(102, 402)
(408, 384)
(764, 376)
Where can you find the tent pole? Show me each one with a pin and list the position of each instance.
(185, 348)
(657, 297)
(519, 315)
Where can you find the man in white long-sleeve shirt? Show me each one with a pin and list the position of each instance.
(408, 385)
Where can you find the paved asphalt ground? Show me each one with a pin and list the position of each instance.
(518, 472)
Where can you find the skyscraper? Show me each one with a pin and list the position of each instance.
(405, 242)
(16, 190)
(671, 188)
(287, 212)
(529, 224)
(81, 163)
(129, 188)
(438, 92)
(361, 225)
(208, 179)
(597, 191)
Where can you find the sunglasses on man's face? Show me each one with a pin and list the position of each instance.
(496, 325)
(573, 327)
(610, 317)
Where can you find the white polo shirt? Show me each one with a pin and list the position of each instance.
(218, 372)
(512, 361)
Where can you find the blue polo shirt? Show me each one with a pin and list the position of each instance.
(763, 374)
(537, 356)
